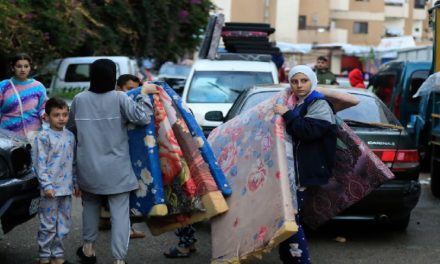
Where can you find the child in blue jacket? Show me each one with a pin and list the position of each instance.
(310, 120)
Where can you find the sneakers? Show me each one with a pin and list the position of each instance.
(83, 258)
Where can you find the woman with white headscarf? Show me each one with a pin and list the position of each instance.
(310, 120)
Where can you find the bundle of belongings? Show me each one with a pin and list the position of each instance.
(255, 154)
(179, 180)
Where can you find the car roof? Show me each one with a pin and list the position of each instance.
(233, 65)
(91, 59)
(282, 86)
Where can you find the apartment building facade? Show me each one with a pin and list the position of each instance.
(358, 22)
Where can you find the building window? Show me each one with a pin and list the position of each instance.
(302, 23)
(395, 2)
(419, 4)
(360, 28)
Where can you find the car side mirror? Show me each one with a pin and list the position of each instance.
(214, 116)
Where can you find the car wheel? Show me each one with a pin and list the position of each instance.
(399, 224)
(435, 176)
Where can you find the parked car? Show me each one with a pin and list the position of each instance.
(215, 84)
(174, 75)
(395, 84)
(19, 191)
(374, 123)
(66, 77)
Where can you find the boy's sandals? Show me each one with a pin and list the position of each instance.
(176, 252)
(136, 234)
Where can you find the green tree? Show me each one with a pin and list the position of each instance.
(47, 29)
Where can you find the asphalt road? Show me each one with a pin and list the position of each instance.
(365, 243)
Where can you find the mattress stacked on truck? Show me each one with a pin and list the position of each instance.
(248, 38)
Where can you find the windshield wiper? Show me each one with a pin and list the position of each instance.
(218, 87)
(356, 123)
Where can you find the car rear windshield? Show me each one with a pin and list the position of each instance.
(81, 72)
(369, 110)
(223, 86)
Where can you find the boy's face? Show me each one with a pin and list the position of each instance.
(129, 85)
(321, 64)
(58, 118)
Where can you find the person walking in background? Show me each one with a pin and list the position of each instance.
(124, 83)
(310, 121)
(324, 75)
(22, 99)
(356, 79)
(53, 156)
(100, 117)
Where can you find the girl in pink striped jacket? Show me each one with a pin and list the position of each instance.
(22, 99)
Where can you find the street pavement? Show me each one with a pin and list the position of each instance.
(365, 242)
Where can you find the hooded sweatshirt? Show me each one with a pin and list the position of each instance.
(100, 117)
(356, 79)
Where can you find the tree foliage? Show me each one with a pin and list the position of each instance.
(47, 29)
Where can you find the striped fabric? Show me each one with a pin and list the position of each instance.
(33, 98)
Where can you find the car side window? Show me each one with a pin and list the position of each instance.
(80, 72)
(416, 80)
(77, 73)
(384, 86)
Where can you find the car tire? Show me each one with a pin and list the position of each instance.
(399, 224)
(435, 177)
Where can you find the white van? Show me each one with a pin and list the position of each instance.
(72, 74)
(215, 84)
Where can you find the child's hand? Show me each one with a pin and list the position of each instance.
(148, 88)
(280, 109)
(76, 192)
(50, 193)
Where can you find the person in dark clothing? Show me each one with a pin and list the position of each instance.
(324, 75)
(310, 121)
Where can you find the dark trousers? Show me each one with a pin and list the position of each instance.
(294, 249)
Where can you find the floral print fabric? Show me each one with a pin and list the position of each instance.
(251, 150)
(171, 169)
(356, 173)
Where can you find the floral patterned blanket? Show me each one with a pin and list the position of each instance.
(256, 155)
(175, 179)
(251, 150)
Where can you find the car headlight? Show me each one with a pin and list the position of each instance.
(4, 168)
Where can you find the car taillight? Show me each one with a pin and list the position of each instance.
(398, 160)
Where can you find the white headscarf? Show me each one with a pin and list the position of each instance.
(304, 69)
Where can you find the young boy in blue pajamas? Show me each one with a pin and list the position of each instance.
(53, 154)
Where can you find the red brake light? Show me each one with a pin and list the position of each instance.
(399, 160)
(391, 155)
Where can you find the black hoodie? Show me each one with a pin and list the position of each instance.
(102, 76)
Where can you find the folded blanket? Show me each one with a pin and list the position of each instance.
(167, 156)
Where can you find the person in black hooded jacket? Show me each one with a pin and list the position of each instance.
(311, 123)
(100, 117)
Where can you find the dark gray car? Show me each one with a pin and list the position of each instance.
(19, 191)
(371, 120)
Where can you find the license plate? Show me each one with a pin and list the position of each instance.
(33, 207)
